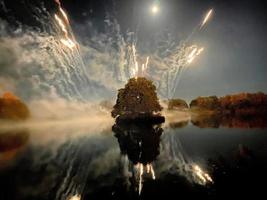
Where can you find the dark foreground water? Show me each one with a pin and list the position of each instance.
(134, 161)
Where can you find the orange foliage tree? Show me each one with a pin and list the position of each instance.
(138, 96)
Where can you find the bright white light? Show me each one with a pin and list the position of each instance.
(155, 9)
(75, 197)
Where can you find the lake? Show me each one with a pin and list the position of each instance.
(97, 159)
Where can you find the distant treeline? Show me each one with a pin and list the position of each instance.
(238, 104)
(243, 103)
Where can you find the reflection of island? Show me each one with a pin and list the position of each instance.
(229, 121)
(179, 124)
(216, 120)
(11, 143)
(140, 143)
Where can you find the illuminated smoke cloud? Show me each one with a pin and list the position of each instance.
(37, 63)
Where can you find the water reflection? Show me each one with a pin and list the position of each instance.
(12, 143)
(135, 161)
(215, 120)
(140, 143)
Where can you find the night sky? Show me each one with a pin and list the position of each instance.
(235, 40)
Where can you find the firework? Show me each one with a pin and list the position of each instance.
(64, 15)
(204, 177)
(68, 40)
(194, 53)
(206, 18)
(177, 59)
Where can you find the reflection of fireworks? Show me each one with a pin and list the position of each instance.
(174, 158)
(75, 197)
(204, 177)
(140, 169)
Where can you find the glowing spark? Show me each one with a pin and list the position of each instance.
(152, 172)
(134, 52)
(208, 15)
(61, 24)
(136, 67)
(68, 42)
(194, 53)
(200, 51)
(141, 169)
(148, 169)
(140, 166)
(143, 68)
(75, 197)
(203, 176)
(155, 9)
(208, 177)
(64, 15)
(147, 61)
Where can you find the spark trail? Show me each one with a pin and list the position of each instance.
(206, 18)
(176, 160)
(68, 40)
(178, 60)
(51, 55)
(140, 171)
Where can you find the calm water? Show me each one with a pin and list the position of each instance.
(134, 161)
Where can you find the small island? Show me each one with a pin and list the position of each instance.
(12, 108)
(138, 102)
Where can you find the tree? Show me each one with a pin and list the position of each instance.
(177, 104)
(138, 96)
(12, 108)
(210, 103)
